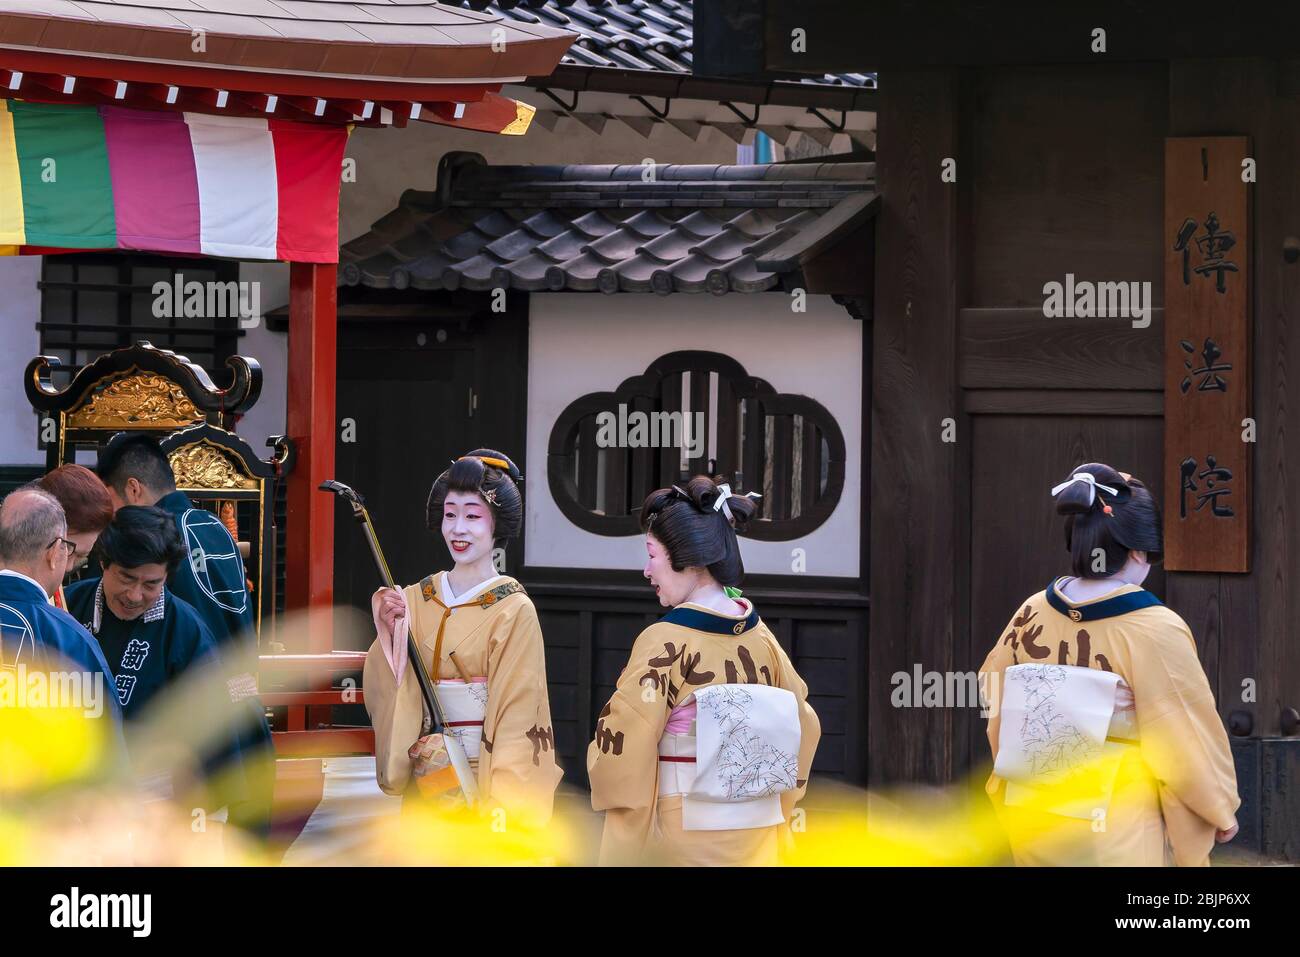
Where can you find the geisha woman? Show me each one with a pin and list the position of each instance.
(705, 747)
(479, 639)
(1107, 746)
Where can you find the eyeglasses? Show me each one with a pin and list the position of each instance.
(68, 543)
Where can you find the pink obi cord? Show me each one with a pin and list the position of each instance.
(679, 721)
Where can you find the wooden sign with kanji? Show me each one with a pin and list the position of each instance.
(1207, 355)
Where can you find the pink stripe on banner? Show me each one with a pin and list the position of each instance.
(155, 187)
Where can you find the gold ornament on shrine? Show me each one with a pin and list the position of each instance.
(204, 466)
(142, 400)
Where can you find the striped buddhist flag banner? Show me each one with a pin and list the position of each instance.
(107, 177)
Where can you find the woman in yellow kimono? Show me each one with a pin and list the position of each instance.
(1107, 746)
(479, 639)
(706, 745)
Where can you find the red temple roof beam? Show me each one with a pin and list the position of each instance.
(487, 112)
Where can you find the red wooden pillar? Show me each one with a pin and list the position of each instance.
(309, 545)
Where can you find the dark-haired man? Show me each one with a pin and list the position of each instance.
(212, 577)
(149, 635)
(211, 580)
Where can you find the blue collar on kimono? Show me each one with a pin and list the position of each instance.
(155, 611)
(711, 621)
(1107, 608)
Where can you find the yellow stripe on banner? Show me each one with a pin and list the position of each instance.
(13, 226)
(10, 250)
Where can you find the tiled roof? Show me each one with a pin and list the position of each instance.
(611, 228)
(627, 34)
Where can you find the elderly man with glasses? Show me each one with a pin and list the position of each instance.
(39, 642)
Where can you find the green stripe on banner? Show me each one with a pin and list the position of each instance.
(63, 165)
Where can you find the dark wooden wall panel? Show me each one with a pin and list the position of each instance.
(1068, 173)
(1023, 349)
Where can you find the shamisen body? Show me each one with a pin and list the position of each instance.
(705, 747)
(479, 638)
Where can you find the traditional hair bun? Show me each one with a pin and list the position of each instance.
(697, 524)
(1078, 496)
(1107, 515)
(490, 474)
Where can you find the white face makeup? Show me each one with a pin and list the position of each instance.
(467, 527)
(671, 587)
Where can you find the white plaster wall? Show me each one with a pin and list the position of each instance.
(20, 310)
(590, 343)
(270, 349)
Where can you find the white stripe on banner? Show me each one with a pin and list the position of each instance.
(234, 158)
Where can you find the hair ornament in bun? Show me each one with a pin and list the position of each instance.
(1090, 480)
(720, 503)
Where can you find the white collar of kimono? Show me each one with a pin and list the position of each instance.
(1121, 588)
(449, 597)
(154, 613)
(1088, 479)
(743, 602)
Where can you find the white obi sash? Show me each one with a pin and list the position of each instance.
(743, 756)
(464, 707)
(1061, 739)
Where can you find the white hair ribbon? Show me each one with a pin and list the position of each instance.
(1088, 479)
(724, 493)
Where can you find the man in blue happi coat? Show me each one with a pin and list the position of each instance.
(150, 638)
(211, 579)
(36, 638)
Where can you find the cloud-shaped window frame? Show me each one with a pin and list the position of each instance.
(559, 450)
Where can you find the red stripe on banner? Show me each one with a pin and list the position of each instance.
(308, 167)
(463, 724)
(676, 759)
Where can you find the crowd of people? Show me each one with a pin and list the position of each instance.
(117, 578)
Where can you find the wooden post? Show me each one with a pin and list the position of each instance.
(309, 545)
(915, 474)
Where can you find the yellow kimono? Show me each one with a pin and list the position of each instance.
(691, 648)
(1171, 770)
(492, 632)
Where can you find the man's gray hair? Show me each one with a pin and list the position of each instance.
(30, 519)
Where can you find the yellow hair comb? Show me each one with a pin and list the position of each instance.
(488, 460)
